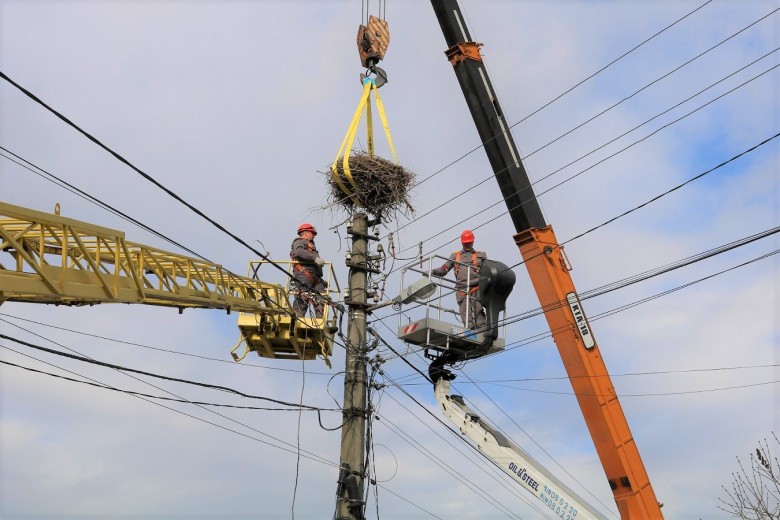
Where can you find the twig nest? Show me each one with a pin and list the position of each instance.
(381, 186)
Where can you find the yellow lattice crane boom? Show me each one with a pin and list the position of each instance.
(47, 258)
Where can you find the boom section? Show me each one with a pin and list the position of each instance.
(59, 260)
(549, 272)
(47, 258)
(513, 460)
(488, 117)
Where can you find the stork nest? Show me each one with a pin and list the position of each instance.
(382, 186)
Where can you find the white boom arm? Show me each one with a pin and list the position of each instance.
(556, 497)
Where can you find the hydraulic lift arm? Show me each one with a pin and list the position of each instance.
(549, 272)
(513, 460)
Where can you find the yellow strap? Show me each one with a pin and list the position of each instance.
(346, 145)
(349, 138)
(369, 128)
(381, 109)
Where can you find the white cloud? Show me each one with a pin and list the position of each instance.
(237, 106)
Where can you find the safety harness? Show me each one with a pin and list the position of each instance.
(298, 268)
(474, 266)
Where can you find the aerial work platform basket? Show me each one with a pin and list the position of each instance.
(285, 336)
(50, 259)
(429, 316)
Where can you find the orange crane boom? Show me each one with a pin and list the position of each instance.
(549, 272)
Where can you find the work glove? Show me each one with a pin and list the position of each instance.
(319, 261)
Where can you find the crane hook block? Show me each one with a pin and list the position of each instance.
(372, 41)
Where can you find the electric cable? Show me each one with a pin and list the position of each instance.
(645, 275)
(654, 394)
(439, 206)
(703, 53)
(484, 416)
(448, 469)
(507, 484)
(159, 397)
(611, 141)
(501, 409)
(159, 349)
(409, 502)
(311, 456)
(614, 154)
(94, 200)
(523, 342)
(150, 374)
(142, 174)
(611, 375)
(559, 96)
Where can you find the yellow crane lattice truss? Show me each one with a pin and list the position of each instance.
(47, 258)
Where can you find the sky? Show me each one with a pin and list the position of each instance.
(239, 107)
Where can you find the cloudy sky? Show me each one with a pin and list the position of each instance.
(238, 107)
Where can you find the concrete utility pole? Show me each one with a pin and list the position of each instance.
(352, 476)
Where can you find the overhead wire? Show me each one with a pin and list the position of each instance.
(129, 372)
(439, 206)
(636, 278)
(143, 174)
(312, 456)
(648, 274)
(484, 416)
(626, 98)
(632, 395)
(531, 437)
(646, 203)
(596, 317)
(472, 449)
(94, 200)
(571, 177)
(653, 394)
(160, 397)
(581, 82)
(159, 349)
(92, 361)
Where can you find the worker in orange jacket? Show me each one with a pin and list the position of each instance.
(307, 272)
(466, 264)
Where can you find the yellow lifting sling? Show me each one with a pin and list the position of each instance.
(369, 85)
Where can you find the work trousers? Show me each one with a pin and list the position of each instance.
(472, 313)
(306, 294)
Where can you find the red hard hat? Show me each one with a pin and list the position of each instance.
(467, 237)
(306, 227)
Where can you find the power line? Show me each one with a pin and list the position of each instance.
(529, 436)
(472, 449)
(612, 155)
(667, 192)
(559, 96)
(86, 196)
(656, 394)
(143, 174)
(653, 82)
(439, 206)
(646, 275)
(159, 349)
(484, 415)
(162, 398)
(611, 375)
(538, 337)
(310, 455)
(151, 374)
